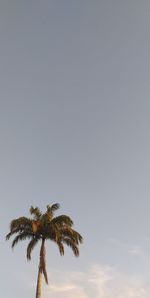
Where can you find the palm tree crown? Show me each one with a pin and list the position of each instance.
(42, 227)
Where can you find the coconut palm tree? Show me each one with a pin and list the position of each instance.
(41, 227)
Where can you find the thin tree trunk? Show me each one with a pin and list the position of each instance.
(39, 283)
(39, 278)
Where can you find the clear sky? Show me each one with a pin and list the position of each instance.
(74, 129)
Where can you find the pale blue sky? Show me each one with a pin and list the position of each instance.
(74, 129)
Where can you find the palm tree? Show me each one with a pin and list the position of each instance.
(41, 227)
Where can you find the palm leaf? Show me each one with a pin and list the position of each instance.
(73, 245)
(30, 247)
(36, 212)
(62, 220)
(61, 247)
(72, 234)
(20, 222)
(20, 237)
(54, 207)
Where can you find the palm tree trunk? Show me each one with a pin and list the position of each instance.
(39, 278)
(39, 284)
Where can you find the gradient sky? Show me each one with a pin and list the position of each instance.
(74, 129)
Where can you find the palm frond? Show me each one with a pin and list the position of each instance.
(20, 222)
(54, 207)
(19, 230)
(72, 245)
(63, 220)
(51, 209)
(31, 246)
(36, 212)
(52, 231)
(48, 215)
(20, 237)
(9, 235)
(61, 247)
(72, 234)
